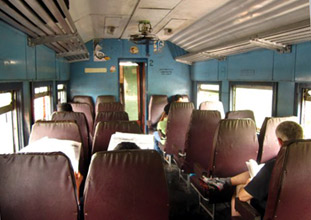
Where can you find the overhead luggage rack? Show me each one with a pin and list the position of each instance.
(46, 22)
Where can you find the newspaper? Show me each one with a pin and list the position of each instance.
(144, 141)
(70, 148)
(253, 167)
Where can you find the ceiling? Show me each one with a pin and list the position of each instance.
(207, 29)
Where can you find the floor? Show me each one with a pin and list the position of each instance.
(184, 203)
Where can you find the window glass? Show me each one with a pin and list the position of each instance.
(8, 123)
(257, 98)
(61, 93)
(306, 112)
(42, 103)
(207, 92)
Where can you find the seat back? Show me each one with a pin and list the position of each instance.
(235, 142)
(84, 99)
(80, 119)
(185, 98)
(289, 198)
(104, 99)
(240, 114)
(104, 130)
(155, 109)
(37, 186)
(126, 185)
(177, 126)
(110, 107)
(63, 130)
(268, 142)
(86, 109)
(199, 143)
(214, 106)
(111, 116)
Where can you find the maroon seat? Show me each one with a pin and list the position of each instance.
(111, 116)
(268, 142)
(86, 109)
(288, 198)
(213, 106)
(126, 185)
(155, 110)
(110, 107)
(104, 130)
(240, 114)
(80, 119)
(104, 99)
(177, 126)
(84, 99)
(235, 142)
(63, 130)
(199, 142)
(37, 186)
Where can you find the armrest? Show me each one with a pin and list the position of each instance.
(247, 211)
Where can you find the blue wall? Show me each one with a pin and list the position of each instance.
(260, 66)
(21, 63)
(158, 80)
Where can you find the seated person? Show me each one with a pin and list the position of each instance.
(256, 190)
(126, 146)
(64, 107)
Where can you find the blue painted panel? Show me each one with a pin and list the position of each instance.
(13, 53)
(203, 71)
(223, 70)
(45, 63)
(31, 62)
(225, 96)
(256, 65)
(303, 64)
(284, 66)
(63, 69)
(285, 100)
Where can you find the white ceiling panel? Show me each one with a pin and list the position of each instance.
(164, 4)
(174, 25)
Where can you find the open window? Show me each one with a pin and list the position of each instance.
(9, 123)
(303, 102)
(42, 102)
(258, 97)
(207, 92)
(61, 93)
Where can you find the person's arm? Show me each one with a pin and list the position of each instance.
(243, 195)
(78, 178)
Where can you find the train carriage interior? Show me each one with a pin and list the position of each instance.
(219, 76)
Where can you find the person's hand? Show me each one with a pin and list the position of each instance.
(78, 178)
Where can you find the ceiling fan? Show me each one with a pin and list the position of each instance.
(144, 36)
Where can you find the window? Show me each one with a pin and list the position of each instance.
(8, 123)
(42, 103)
(207, 92)
(61, 93)
(305, 116)
(257, 97)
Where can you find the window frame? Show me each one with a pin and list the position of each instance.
(66, 89)
(299, 99)
(198, 83)
(274, 86)
(33, 96)
(17, 88)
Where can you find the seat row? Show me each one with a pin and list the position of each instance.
(120, 185)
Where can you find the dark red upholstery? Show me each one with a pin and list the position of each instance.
(268, 142)
(104, 99)
(289, 194)
(213, 106)
(104, 130)
(177, 127)
(86, 109)
(127, 185)
(110, 107)
(199, 143)
(240, 114)
(155, 110)
(84, 99)
(63, 130)
(111, 116)
(36, 187)
(80, 119)
(235, 142)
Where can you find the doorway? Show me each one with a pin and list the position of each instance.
(132, 80)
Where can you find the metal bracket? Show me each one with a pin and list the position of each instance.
(281, 48)
(50, 39)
